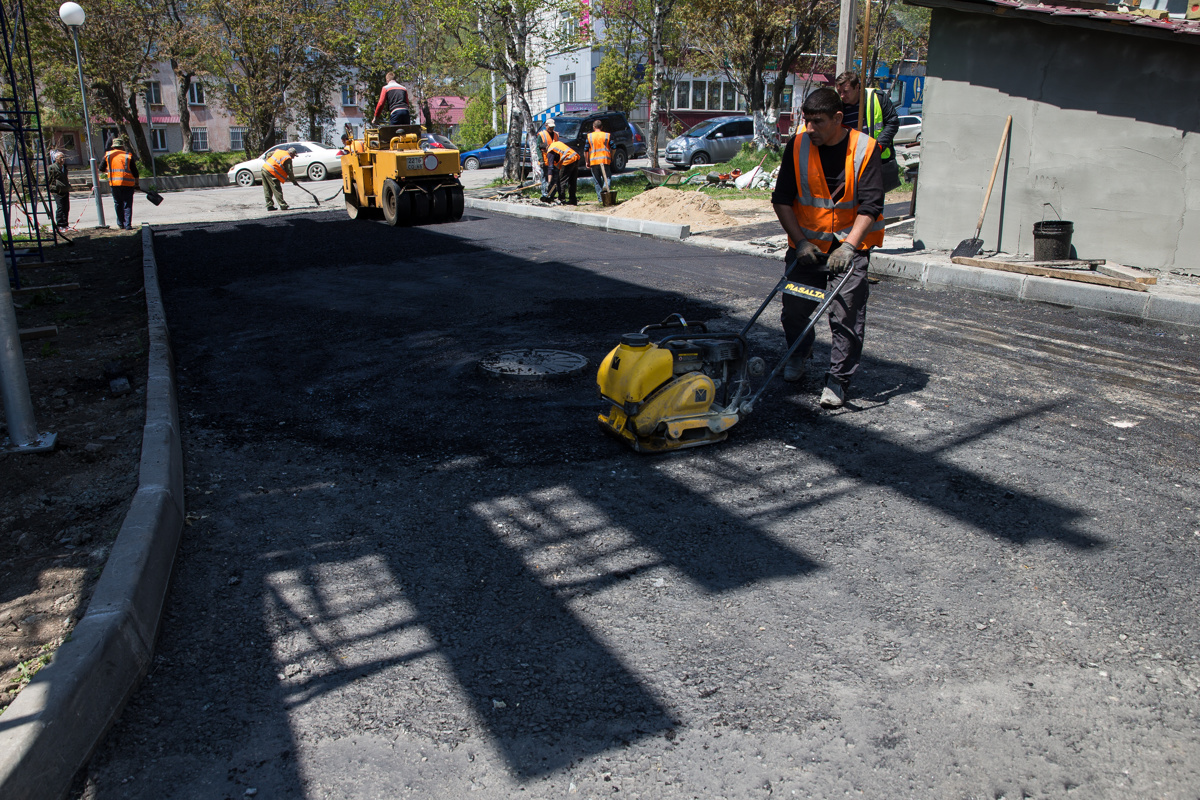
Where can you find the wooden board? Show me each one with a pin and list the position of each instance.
(25, 264)
(1126, 273)
(51, 288)
(1050, 272)
(48, 332)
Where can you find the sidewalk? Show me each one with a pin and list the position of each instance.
(1174, 300)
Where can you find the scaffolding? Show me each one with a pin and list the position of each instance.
(24, 193)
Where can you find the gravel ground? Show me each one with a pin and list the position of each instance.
(403, 579)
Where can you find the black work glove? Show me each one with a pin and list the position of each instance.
(807, 254)
(840, 259)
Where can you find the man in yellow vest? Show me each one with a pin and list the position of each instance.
(872, 112)
(276, 169)
(565, 163)
(598, 150)
(122, 180)
(546, 137)
(829, 200)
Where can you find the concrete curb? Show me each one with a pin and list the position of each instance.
(51, 729)
(659, 230)
(935, 270)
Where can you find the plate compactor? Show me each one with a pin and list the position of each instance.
(691, 386)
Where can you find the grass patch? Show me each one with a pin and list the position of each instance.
(197, 163)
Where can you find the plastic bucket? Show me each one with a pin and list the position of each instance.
(1052, 240)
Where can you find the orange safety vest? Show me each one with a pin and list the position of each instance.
(276, 164)
(547, 136)
(566, 155)
(118, 164)
(822, 220)
(598, 149)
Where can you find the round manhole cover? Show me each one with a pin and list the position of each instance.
(534, 363)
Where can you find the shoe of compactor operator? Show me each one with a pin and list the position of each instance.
(691, 386)
(393, 172)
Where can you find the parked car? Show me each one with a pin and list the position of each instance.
(436, 140)
(710, 142)
(572, 129)
(490, 155)
(314, 161)
(639, 141)
(910, 129)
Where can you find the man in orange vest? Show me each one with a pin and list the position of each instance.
(565, 163)
(829, 200)
(122, 180)
(276, 169)
(599, 155)
(546, 137)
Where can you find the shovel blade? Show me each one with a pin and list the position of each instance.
(968, 248)
(154, 197)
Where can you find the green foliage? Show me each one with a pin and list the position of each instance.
(476, 127)
(617, 82)
(197, 163)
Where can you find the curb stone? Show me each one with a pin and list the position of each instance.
(659, 230)
(51, 729)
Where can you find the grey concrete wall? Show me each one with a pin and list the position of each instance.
(1106, 127)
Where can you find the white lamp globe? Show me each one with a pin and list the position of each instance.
(71, 14)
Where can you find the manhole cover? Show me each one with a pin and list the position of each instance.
(534, 363)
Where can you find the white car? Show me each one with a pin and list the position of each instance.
(314, 161)
(910, 129)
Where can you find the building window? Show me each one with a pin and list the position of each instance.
(729, 98)
(714, 95)
(199, 139)
(699, 89)
(568, 26)
(158, 139)
(154, 93)
(349, 96)
(566, 88)
(237, 138)
(196, 94)
(683, 90)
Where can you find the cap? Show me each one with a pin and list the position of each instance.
(291, 151)
(549, 123)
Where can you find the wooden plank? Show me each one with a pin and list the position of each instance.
(1050, 272)
(48, 332)
(1126, 273)
(55, 263)
(49, 288)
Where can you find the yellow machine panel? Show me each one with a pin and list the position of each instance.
(394, 170)
(628, 374)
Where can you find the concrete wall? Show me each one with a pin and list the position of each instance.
(1106, 127)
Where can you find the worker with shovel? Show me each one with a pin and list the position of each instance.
(598, 150)
(829, 200)
(275, 170)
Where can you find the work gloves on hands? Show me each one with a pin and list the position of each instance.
(807, 254)
(839, 260)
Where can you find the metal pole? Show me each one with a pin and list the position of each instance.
(845, 47)
(23, 436)
(866, 47)
(150, 127)
(87, 121)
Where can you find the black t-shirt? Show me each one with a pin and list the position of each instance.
(833, 165)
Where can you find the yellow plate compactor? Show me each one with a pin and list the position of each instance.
(691, 386)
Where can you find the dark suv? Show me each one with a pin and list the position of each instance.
(572, 129)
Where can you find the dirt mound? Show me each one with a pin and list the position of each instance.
(671, 205)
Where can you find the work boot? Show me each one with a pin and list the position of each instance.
(834, 394)
(793, 368)
(282, 206)
(271, 208)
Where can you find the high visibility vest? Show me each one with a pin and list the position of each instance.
(822, 220)
(566, 155)
(276, 164)
(874, 118)
(548, 137)
(598, 149)
(119, 164)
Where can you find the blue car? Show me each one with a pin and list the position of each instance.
(490, 155)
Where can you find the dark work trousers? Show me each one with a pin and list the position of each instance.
(399, 117)
(891, 174)
(123, 203)
(62, 211)
(568, 176)
(598, 171)
(549, 179)
(847, 315)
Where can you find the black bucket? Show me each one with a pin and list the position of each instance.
(1052, 240)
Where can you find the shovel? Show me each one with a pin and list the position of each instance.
(310, 194)
(971, 247)
(153, 196)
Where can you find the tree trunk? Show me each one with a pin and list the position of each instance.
(657, 67)
(183, 84)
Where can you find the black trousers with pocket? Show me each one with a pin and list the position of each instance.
(847, 315)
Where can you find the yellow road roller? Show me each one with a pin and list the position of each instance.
(396, 171)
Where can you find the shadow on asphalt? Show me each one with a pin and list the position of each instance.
(440, 515)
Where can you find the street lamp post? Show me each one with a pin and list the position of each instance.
(72, 16)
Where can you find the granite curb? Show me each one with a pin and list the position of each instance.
(51, 729)
(659, 230)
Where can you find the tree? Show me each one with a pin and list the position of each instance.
(901, 34)
(620, 81)
(757, 44)
(476, 128)
(181, 43)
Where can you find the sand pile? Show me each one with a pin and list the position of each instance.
(671, 205)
